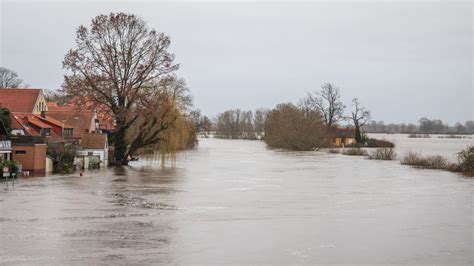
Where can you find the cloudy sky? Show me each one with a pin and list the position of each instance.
(402, 60)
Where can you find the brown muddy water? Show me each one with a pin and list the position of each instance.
(237, 202)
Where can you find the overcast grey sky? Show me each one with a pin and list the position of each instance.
(404, 61)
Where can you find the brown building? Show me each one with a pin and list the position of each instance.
(342, 136)
(30, 153)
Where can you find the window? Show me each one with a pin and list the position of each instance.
(18, 152)
(45, 132)
(67, 132)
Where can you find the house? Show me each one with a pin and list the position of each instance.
(28, 101)
(79, 121)
(103, 119)
(41, 125)
(342, 136)
(30, 153)
(94, 151)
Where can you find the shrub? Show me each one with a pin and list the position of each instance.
(378, 143)
(335, 151)
(419, 136)
(429, 162)
(355, 152)
(12, 165)
(466, 161)
(383, 154)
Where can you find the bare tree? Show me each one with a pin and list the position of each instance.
(117, 63)
(359, 116)
(328, 102)
(10, 79)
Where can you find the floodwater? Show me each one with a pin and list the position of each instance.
(237, 202)
(434, 145)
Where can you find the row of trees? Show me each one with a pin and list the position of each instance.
(240, 124)
(424, 126)
(311, 123)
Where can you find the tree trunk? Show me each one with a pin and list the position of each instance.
(120, 146)
(358, 135)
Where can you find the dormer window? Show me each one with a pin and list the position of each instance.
(45, 132)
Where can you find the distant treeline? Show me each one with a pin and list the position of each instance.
(240, 124)
(424, 126)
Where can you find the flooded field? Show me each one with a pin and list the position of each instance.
(443, 145)
(239, 202)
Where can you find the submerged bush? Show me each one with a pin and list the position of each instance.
(428, 162)
(334, 151)
(354, 152)
(373, 143)
(466, 161)
(379, 143)
(419, 136)
(383, 154)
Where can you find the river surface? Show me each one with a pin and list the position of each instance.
(237, 202)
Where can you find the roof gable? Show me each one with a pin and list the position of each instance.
(19, 100)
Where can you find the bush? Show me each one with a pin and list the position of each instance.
(12, 165)
(428, 162)
(466, 161)
(373, 143)
(383, 154)
(334, 151)
(378, 143)
(355, 152)
(419, 136)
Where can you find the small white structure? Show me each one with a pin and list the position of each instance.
(5, 150)
(94, 152)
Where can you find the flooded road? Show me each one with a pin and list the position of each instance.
(239, 202)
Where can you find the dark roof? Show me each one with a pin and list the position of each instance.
(19, 100)
(341, 132)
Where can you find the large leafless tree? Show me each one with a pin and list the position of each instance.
(117, 63)
(359, 116)
(10, 79)
(328, 102)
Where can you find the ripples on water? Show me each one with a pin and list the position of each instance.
(239, 202)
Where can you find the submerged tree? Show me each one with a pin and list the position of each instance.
(359, 116)
(118, 63)
(10, 79)
(294, 127)
(328, 102)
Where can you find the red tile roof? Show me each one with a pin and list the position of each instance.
(105, 119)
(49, 119)
(19, 100)
(81, 121)
(20, 121)
(94, 141)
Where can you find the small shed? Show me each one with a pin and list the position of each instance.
(94, 151)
